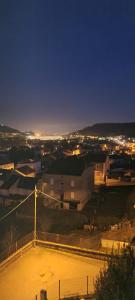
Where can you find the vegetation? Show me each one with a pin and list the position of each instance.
(109, 206)
(61, 221)
(117, 280)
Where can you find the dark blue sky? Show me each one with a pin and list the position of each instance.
(65, 64)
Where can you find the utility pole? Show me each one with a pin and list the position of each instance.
(35, 214)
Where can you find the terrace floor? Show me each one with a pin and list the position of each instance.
(41, 268)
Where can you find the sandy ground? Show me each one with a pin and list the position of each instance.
(41, 268)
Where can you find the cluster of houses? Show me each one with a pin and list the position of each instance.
(69, 180)
(115, 170)
(67, 183)
(17, 180)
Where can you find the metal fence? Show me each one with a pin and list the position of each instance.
(59, 238)
(72, 239)
(14, 247)
(59, 241)
(70, 243)
(76, 286)
(65, 288)
(69, 288)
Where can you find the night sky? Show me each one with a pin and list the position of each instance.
(66, 64)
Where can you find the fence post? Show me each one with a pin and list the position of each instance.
(87, 285)
(16, 245)
(59, 289)
(57, 238)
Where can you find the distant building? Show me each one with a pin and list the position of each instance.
(34, 164)
(75, 151)
(6, 164)
(15, 188)
(100, 170)
(120, 170)
(25, 186)
(69, 180)
(26, 171)
(100, 173)
(131, 147)
(114, 240)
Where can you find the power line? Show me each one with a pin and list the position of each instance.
(9, 213)
(51, 197)
(23, 201)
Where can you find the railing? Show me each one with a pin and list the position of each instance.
(68, 288)
(69, 244)
(15, 247)
(75, 288)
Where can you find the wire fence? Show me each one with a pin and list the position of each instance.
(74, 288)
(12, 248)
(59, 238)
(67, 288)
(71, 287)
(60, 241)
(71, 243)
(71, 239)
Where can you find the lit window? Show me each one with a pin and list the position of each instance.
(72, 195)
(72, 183)
(44, 187)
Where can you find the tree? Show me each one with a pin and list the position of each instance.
(117, 280)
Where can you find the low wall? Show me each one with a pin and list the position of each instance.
(75, 250)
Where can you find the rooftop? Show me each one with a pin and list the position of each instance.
(9, 182)
(27, 183)
(4, 161)
(26, 170)
(28, 161)
(4, 174)
(67, 166)
(96, 157)
(41, 268)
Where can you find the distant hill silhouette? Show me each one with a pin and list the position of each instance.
(109, 129)
(7, 129)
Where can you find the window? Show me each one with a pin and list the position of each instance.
(72, 183)
(62, 196)
(44, 187)
(52, 181)
(73, 205)
(72, 195)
